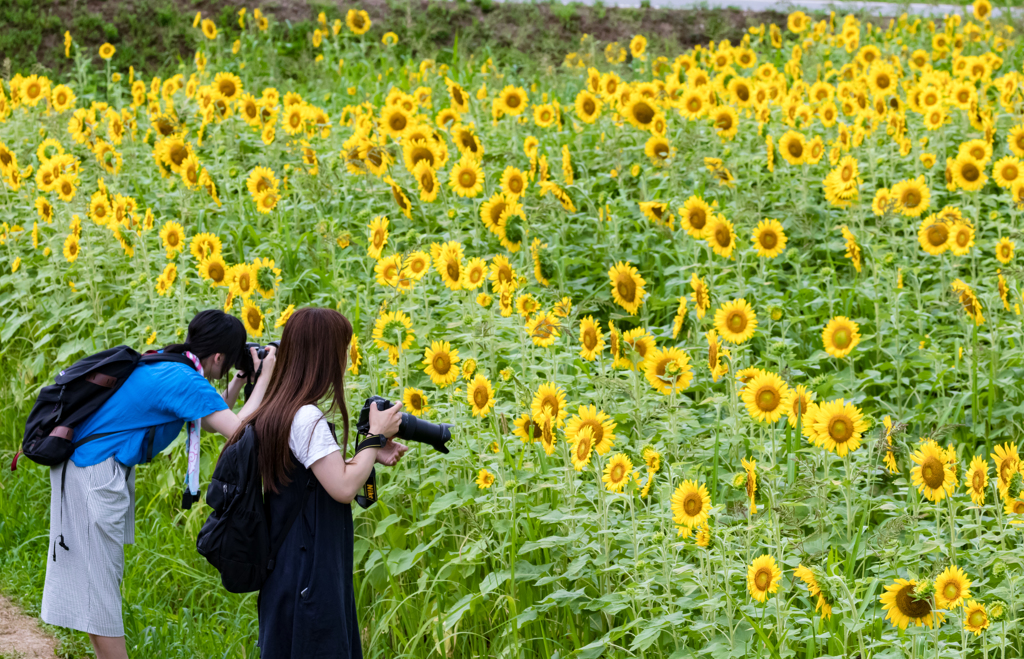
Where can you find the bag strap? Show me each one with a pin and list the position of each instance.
(276, 547)
(154, 356)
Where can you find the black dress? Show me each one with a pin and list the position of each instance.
(307, 606)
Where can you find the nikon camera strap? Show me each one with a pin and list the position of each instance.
(369, 495)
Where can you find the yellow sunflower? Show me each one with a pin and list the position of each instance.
(952, 588)
(701, 296)
(765, 396)
(736, 321)
(627, 286)
(806, 575)
(933, 235)
(933, 475)
(591, 339)
(968, 173)
(393, 331)
(975, 616)
(721, 236)
(903, 608)
(378, 237)
(466, 178)
(668, 370)
(977, 480)
(793, 147)
(763, 577)
(769, 238)
(912, 196)
(549, 400)
(694, 216)
(691, 504)
(840, 336)
(480, 395)
(441, 362)
(581, 448)
(838, 427)
(415, 402)
(617, 472)
(600, 425)
(1004, 250)
(252, 318)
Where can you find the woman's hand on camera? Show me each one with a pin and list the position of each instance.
(267, 363)
(391, 453)
(385, 422)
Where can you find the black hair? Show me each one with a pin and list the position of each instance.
(212, 331)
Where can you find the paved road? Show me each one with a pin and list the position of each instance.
(877, 8)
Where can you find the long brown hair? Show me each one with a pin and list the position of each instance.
(310, 366)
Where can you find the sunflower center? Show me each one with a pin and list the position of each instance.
(467, 179)
(762, 579)
(932, 473)
(769, 240)
(883, 81)
(416, 402)
(722, 235)
(590, 339)
(841, 338)
(978, 482)
(692, 504)
(643, 113)
(627, 289)
(962, 238)
(453, 270)
(911, 199)
(767, 399)
(910, 607)
(480, 397)
(840, 430)
(513, 101)
(951, 591)
(970, 172)
(216, 272)
(1010, 172)
(736, 322)
(583, 448)
(977, 618)
(937, 235)
(588, 107)
(724, 122)
(698, 218)
(795, 149)
(617, 473)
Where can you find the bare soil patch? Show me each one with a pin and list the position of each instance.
(21, 635)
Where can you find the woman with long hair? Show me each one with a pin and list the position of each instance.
(307, 604)
(92, 495)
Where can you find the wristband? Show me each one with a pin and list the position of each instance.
(371, 441)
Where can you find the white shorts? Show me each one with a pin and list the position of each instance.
(83, 581)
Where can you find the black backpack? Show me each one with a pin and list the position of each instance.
(80, 390)
(235, 538)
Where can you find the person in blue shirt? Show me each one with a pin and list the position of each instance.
(92, 500)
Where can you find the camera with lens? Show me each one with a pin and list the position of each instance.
(245, 363)
(412, 428)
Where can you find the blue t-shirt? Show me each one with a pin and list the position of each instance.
(161, 394)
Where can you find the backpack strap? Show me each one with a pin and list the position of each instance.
(276, 547)
(154, 356)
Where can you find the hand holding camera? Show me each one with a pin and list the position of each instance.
(257, 361)
(410, 428)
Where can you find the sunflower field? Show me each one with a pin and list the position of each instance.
(732, 337)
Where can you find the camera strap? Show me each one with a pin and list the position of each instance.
(369, 495)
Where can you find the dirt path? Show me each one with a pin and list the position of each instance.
(21, 636)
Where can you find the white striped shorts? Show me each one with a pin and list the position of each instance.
(83, 580)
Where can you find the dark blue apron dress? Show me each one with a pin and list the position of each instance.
(307, 606)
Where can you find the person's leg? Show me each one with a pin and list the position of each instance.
(109, 647)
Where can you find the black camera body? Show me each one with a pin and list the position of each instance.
(245, 364)
(412, 428)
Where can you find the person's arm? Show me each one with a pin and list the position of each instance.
(344, 478)
(226, 422)
(234, 387)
